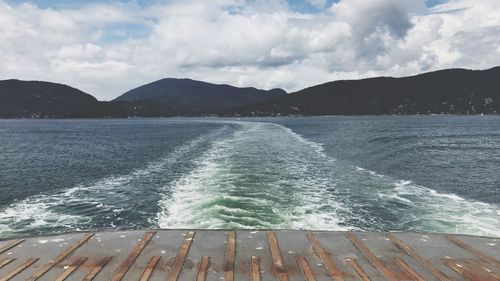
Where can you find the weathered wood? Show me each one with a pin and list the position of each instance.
(357, 268)
(181, 257)
(278, 264)
(484, 267)
(425, 263)
(5, 262)
(306, 269)
(230, 255)
(203, 268)
(71, 269)
(96, 268)
(60, 257)
(471, 274)
(19, 269)
(136, 251)
(330, 266)
(474, 251)
(471, 258)
(255, 268)
(376, 262)
(150, 268)
(413, 273)
(10, 245)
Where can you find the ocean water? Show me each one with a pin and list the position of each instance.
(416, 173)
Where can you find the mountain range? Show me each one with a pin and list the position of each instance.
(189, 97)
(451, 91)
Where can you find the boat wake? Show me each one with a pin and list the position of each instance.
(250, 175)
(266, 176)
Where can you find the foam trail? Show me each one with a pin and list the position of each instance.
(267, 176)
(108, 202)
(263, 176)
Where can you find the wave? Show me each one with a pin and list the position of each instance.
(260, 177)
(423, 209)
(109, 202)
(251, 175)
(267, 176)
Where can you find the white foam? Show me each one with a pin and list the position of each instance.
(193, 202)
(48, 209)
(440, 212)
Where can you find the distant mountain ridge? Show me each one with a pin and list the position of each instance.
(451, 91)
(187, 96)
(39, 99)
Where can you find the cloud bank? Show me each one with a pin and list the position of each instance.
(106, 49)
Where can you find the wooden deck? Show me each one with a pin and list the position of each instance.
(250, 255)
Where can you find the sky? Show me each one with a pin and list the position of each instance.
(108, 47)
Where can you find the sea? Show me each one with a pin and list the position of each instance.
(435, 174)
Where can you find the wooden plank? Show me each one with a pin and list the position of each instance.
(413, 273)
(474, 251)
(306, 269)
(120, 272)
(5, 262)
(10, 245)
(255, 268)
(483, 266)
(203, 268)
(150, 268)
(181, 257)
(19, 269)
(359, 270)
(376, 262)
(230, 253)
(471, 274)
(60, 257)
(71, 269)
(425, 263)
(330, 266)
(96, 268)
(276, 256)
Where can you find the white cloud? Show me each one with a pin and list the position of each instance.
(318, 3)
(260, 44)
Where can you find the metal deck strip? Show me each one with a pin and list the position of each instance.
(71, 268)
(469, 274)
(181, 257)
(203, 268)
(358, 269)
(10, 245)
(255, 268)
(401, 263)
(474, 251)
(376, 262)
(425, 263)
(230, 254)
(276, 256)
(19, 269)
(96, 268)
(306, 269)
(332, 269)
(5, 262)
(150, 268)
(60, 257)
(134, 253)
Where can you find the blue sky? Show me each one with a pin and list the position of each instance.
(114, 46)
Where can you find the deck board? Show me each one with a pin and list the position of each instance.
(212, 255)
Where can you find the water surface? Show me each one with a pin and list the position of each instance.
(431, 174)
